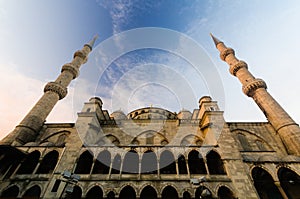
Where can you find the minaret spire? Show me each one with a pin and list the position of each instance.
(256, 88)
(216, 40)
(30, 126)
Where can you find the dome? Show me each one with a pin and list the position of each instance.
(184, 115)
(151, 113)
(118, 115)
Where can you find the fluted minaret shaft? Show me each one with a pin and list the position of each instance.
(30, 126)
(253, 87)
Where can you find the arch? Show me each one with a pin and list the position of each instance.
(167, 163)
(131, 162)
(191, 140)
(48, 163)
(196, 163)
(225, 193)
(60, 141)
(149, 137)
(102, 163)
(203, 192)
(186, 195)
(182, 165)
(94, 193)
(127, 193)
(264, 184)
(290, 182)
(84, 163)
(77, 193)
(109, 140)
(32, 193)
(169, 192)
(116, 165)
(214, 163)
(148, 192)
(149, 163)
(29, 163)
(111, 195)
(11, 192)
(244, 142)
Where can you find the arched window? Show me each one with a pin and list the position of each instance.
(260, 145)
(102, 163)
(214, 163)
(116, 165)
(29, 163)
(111, 195)
(95, 193)
(225, 193)
(182, 165)
(167, 163)
(127, 193)
(84, 163)
(148, 193)
(290, 182)
(264, 184)
(244, 142)
(77, 192)
(186, 195)
(149, 163)
(10, 193)
(196, 163)
(48, 163)
(32, 193)
(169, 192)
(203, 192)
(131, 162)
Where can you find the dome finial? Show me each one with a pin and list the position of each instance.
(216, 41)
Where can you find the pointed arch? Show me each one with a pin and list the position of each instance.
(214, 163)
(290, 182)
(169, 192)
(48, 163)
(203, 192)
(127, 192)
(149, 163)
(167, 163)
(148, 192)
(111, 195)
(264, 184)
(33, 193)
(116, 165)
(84, 163)
(102, 163)
(191, 139)
(77, 193)
(94, 193)
(10, 193)
(131, 162)
(225, 193)
(29, 163)
(182, 165)
(186, 195)
(196, 163)
(109, 140)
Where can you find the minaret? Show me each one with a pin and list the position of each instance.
(284, 125)
(30, 126)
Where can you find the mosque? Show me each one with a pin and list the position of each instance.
(152, 153)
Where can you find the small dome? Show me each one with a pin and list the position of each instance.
(118, 115)
(184, 115)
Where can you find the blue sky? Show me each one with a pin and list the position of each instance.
(38, 37)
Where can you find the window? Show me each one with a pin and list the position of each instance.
(214, 163)
(29, 163)
(102, 164)
(48, 163)
(131, 162)
(167, 163)
(196, 163)
(149, 163)
(84, 163)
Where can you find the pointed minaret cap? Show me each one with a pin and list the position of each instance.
(216, 41)
(91, 43)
